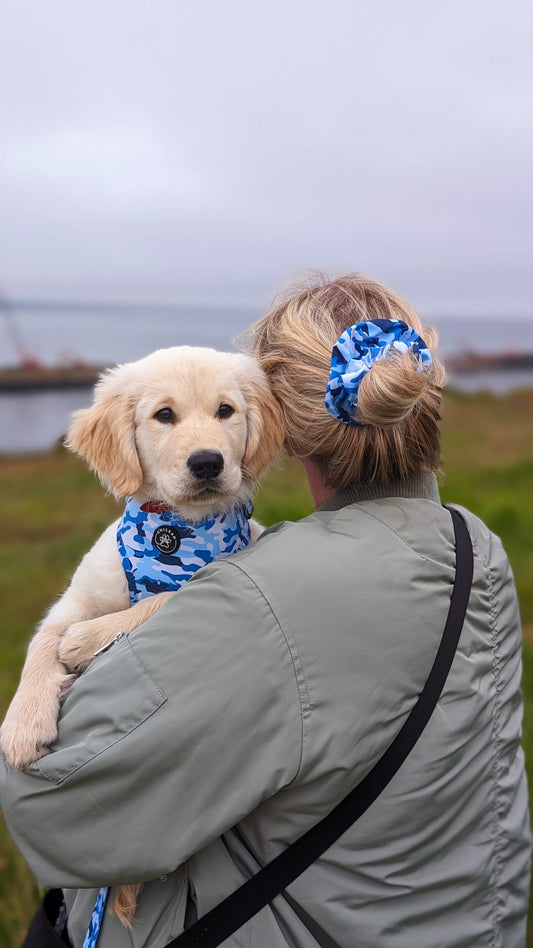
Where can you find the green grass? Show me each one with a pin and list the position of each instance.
(487, 448)
(54, 509)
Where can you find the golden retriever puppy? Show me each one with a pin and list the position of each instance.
(185, 433)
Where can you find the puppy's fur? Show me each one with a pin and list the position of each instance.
(147, 419)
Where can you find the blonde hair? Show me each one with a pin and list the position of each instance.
(398, 404)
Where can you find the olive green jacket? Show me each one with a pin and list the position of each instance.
(204, 743)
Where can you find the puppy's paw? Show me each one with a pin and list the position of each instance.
(30, 727)
(68, 680)
(79, 643)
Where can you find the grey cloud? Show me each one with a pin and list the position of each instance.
(195, 148)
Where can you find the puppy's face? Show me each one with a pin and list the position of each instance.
(191, 428)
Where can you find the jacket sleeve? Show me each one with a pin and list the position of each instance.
(169, 739)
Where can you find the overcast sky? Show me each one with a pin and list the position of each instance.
(207, 149)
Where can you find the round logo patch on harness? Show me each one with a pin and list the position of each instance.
(166, 539)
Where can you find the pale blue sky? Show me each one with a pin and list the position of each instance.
(176, 149)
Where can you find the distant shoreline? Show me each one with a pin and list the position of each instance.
(472, 362)
(57, 378)
(48, 378)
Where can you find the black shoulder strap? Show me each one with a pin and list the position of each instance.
(218, 924)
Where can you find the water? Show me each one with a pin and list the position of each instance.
(33, 421)
(106, 335)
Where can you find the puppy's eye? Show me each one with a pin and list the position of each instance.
(165, 415)
(225, 411)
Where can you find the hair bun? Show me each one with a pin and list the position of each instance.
(391, 389)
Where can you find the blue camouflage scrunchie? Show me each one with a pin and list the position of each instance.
(354, 354)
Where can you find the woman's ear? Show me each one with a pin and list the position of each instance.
(265, 425)
(104, 435)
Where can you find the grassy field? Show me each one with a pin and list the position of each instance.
(54, 509)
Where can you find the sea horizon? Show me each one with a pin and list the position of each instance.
(113, 333)
(106, 333)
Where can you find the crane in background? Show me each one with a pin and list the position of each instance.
(26, 358)
(30, 373)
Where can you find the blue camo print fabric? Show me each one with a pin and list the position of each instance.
(161, 552)
(354, 354)
(95, 924)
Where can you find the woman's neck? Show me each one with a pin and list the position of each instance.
(320, 492)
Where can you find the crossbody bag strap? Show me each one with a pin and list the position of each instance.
(239, 907)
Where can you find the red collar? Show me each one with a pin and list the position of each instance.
(155, 506)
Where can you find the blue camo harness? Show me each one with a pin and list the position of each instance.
(95, 924)
(159, 553)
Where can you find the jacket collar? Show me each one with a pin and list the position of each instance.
(423, 486)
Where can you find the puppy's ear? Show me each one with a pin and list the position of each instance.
(104, 435)
(265, 426)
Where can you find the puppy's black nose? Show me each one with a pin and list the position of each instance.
(205, 464)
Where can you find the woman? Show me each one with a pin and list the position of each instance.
(203, 745)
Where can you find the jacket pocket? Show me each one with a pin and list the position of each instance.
(112, 698)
